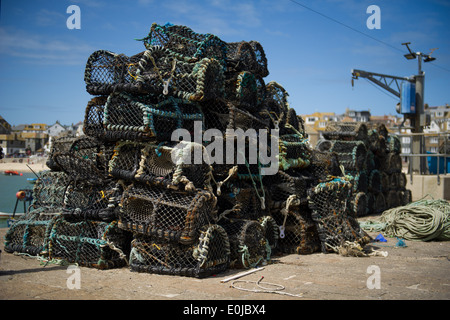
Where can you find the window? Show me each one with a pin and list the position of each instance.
(434, 140)
(322, 124)
(406, 150)
(406, 139)
(434, 149)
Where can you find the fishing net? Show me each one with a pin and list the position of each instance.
(376, 143)
(107, 72)
(185, 44)
(208, 255)
(242, 90)
(329, 202)
(139, 118)
(248, 245)
(349, 131)
(394, 199)
(393, 163)
(284, 184)
(271, 233)
(88, 243)
(166, 213)
(27, 233)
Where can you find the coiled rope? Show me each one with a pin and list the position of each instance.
(423, 220)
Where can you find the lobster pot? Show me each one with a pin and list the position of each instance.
(293, 152)
(276, 98)
(406, 197)
(394, 198)
(397, 180)
(154, 164)
(285, 184)
(107, 72)
(375, 183)
(352, 154)
(330, 211)
(27, 234)
(376, 143)
(360, 205)
(89, 243)
(209, 255)
(393, 163)
(376, 202)
(138, 118)
(182, 165)
(360, 182)
(93, 118)
(245, 90)
(239, 199)
(300, 234)
(248, 245)
(161, 73)
(271, 232)
(185, 44)
(385, 182)
(88, 201)
(166, 213)
(49, 189)
(80, 168)
(349, 131)
(62, 144)
(247, 56)
(393, 144)
(324, 164)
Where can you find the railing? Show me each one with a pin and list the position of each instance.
(442, 137)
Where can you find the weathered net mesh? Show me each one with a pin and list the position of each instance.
(49, 189)
(165, 213)
(247, 56)
(62, 144)
(88, 243)
(93, 118)
(210, 254)
(352, 154)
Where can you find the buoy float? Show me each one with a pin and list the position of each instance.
(21, 195)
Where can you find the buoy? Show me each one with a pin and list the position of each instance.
(21, 195)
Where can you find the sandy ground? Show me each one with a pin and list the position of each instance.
(23, 167)
(416, 272)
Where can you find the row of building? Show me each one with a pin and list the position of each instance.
(35, 138)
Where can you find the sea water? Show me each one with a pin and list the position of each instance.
(9, 186)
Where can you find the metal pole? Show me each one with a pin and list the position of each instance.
(419, 120)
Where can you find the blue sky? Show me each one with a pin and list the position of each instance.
(42, 61)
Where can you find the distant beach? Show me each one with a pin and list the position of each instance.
(23, 167)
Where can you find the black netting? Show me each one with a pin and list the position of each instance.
(208, 255)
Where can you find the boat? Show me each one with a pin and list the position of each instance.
(11, 172)
(32, 180)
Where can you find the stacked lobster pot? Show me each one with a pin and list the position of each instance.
(375, 164)
(71, 218)
(149, 186)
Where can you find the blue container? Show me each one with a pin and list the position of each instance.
(432, 164)
(408, 98)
